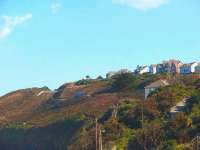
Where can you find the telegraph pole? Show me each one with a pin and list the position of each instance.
(142, 113)
(100, 139)
(115, 111)
(96, 134)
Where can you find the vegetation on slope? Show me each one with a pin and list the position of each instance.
(65, 120)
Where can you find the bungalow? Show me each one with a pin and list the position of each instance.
(176, 66)
(123, 71)
(153, 86)
(188, 68)
(110, 74)
(197, 68)
(152, 69)
(142, 70)
(160, 68)
(170, 66)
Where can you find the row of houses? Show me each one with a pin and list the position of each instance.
(171, 66)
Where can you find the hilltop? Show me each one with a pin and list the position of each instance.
(38, 118)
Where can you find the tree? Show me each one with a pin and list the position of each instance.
(88, 77)
(125, 81)
(147, 138)
(178, 128)
(169, 145)
(167, 97)
(99, 78)
(132, 116)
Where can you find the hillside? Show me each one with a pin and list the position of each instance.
(22, 104)
(64, 119)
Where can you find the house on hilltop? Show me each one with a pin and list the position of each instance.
(110, 74)
(188, 68)
(152, 69)
(170, 66)
(197, 68)
(142, 69)
(176, 66)
(113, 73)
(153, 86)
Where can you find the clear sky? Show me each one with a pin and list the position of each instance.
(50, 42)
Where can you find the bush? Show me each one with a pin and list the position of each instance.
(83, 82)
(147, 138)
(131, 115)
(169, 145)
(126, 81)
(167, 97)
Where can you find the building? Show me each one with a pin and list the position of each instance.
(170, 66)
(197, 68)
(176, 66)
(123, 71)
(113, 73)
(142, 69)
(153, 86)
(110, 74)
(152, 69)
(160, 68)
(188, 68)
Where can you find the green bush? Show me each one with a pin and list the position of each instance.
(126, 81)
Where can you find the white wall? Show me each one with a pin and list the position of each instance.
(188, 69)
(148, 91)
(153, 69)
(144, 70)
(193, 67)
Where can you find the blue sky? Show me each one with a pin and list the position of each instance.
(50, 42)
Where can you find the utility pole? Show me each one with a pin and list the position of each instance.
(96, 134)
(115, 111)
(142, 113)
(100, 139)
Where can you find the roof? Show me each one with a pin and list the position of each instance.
(190, 64)
(157, 84)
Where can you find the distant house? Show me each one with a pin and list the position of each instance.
(160, 68)
(142, 69)
(110, 74)
(188, 68)
(152, 69)
(170, 66)
(113, 73)
(153, 86)
(176, 66)
(123, 71)
(197, 68)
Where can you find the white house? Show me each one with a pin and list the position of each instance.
(110, 74)
(197, 68)
(113, 73)
(153, 86)
(188, 68)
(153, 69)
(122, 71)
(142, 70)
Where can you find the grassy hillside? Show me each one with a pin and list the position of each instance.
(64, 119)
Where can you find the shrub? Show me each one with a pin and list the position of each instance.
(126, 81)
